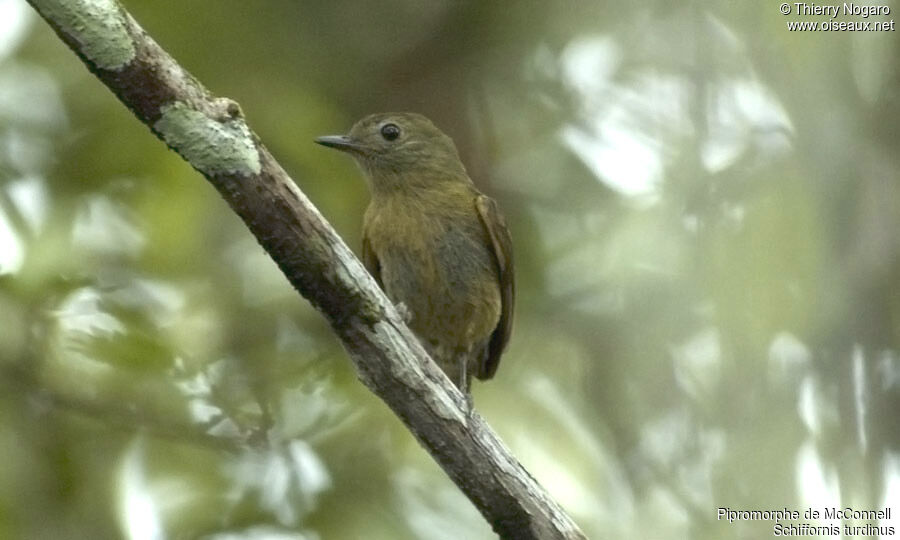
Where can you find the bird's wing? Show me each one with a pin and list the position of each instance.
(501, 242)
(370, 260)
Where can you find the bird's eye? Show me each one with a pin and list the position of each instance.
(390, 131)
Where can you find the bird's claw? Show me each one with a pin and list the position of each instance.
(470, 405)
(404, 312)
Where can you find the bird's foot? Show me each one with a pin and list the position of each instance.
(404, 312)
(464, 386)
(470, 405)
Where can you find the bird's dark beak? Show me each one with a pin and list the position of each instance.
(341, 142)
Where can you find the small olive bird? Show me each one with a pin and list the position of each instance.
(438, 247)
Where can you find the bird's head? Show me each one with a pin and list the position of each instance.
(400, 150)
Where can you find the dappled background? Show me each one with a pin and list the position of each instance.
(706, 214)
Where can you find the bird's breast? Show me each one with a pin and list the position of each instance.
(440, 265)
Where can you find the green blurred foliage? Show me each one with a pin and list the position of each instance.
(705, 208)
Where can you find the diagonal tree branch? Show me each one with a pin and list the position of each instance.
(211, 134)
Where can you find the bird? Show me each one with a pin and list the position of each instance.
(438, 247)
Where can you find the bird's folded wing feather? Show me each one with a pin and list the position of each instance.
(501, 244)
